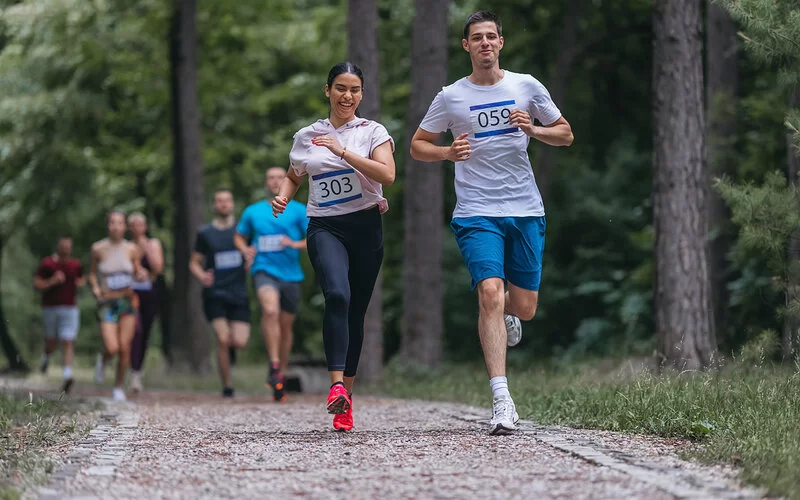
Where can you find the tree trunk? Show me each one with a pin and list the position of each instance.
(791, 324)
(13, 354)
(189, 327)
(423, 322)
(722, 88)
(567, 50)
(362, 48)
(684, 317)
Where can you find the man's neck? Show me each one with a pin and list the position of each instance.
(486, 76)
(223, 222)
(57, 257)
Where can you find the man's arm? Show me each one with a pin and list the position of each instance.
(424, 148)
(43, 284)
(558, 133)
(81, 280)
(196, 266)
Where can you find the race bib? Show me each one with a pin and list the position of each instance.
(119, 281)
(142, 286)
(492, 118)
(270, 243)
(229, 259)
(333, 188)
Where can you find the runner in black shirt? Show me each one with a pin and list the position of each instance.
(219, 266)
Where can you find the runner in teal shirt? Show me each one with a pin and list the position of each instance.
(271, 247)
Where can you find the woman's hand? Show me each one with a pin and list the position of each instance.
(330, 143)
(279, 205)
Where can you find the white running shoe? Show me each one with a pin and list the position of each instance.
(513, 330)
(98, 369)
(118, 394)
(504, 416)
(136, 382)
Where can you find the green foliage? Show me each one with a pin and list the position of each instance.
(738, 416)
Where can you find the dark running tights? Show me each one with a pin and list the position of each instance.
(346, 252)
(148, 310)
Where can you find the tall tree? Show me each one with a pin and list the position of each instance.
(423, 201)
(10, 349)
(568, 49)
(684, 317)
(722, 88)
(189, 326)
(362, 50)
(790, 341)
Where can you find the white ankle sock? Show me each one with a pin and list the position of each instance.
(499, 387)
(67, 372)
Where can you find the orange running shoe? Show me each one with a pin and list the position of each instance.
(338, 400)
(344, 421)
(276, 382)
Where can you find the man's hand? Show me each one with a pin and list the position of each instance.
(287, 242)
(522, 120)
(460, 149)
(208, 278)
(279, 205)
(57, 278)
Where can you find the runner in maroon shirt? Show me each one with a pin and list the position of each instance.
(58, 277)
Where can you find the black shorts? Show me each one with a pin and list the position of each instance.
(289, 291)
(232, 310)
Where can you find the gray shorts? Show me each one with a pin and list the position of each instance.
(289, 291)
(61, 322)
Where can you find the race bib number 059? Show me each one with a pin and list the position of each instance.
(270, 243)
(333, 188)
(492, 118)
(230, 259)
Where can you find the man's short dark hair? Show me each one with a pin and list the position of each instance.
(482, 16)
(220, 190)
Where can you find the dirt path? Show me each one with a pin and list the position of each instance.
(179, 445)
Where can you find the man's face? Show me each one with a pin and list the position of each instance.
(64, 246)
(484, 44)
(275, 178)
(223, 203)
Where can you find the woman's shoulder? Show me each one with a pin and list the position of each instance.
(313, 129)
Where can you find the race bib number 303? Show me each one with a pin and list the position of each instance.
(492, 118)
(333, 188)
(230, 259)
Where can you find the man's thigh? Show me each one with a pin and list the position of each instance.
(524, 250)
(482, 244)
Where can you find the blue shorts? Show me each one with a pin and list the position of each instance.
(509, 248)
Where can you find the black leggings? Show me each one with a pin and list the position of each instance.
(346, 252)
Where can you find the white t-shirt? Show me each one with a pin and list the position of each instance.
(497, 179)
(335, 187)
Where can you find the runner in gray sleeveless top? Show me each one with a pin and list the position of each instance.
(115, 263)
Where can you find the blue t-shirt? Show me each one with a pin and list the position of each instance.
(265, 232)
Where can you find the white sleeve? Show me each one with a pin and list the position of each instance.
(297, 156)
(541, 105)
(436, 119)
(378, 136)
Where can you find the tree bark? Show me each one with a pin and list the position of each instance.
(684, 317)
(791, 325)
(362, 48)
(13, 354)
(722, 89)
(567, 51)
(188, 322)
(423, 322)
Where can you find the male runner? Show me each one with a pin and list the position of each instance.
(274, 262)
(499, 216)
(58, 277)
(219, 266)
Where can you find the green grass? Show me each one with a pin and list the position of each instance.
(30, 426)
(746, 417)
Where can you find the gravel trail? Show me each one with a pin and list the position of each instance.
(182, 445)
